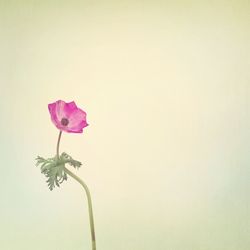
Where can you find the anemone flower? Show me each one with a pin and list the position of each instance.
(67, 117)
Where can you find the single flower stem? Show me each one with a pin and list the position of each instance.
(91, 217)
(58, 144)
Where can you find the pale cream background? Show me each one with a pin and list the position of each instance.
(166, 156)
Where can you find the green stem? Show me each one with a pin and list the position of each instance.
(58, 144)
(91, 217)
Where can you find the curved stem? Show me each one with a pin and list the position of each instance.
(91, 217)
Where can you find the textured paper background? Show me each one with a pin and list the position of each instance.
(166, 85)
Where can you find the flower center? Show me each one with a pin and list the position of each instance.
(64, 121)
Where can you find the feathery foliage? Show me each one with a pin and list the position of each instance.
(54, 168)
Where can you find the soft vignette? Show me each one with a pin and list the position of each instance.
(166, 87)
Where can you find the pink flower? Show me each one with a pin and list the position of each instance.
(67, 116)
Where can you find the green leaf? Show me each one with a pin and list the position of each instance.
(68, 159)
(54, 168)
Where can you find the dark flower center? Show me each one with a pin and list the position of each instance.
(64, 121)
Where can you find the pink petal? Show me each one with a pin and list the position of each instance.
(52, 109)
(60, 109)
(78, 128)
(69, 108)
(77, 117)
